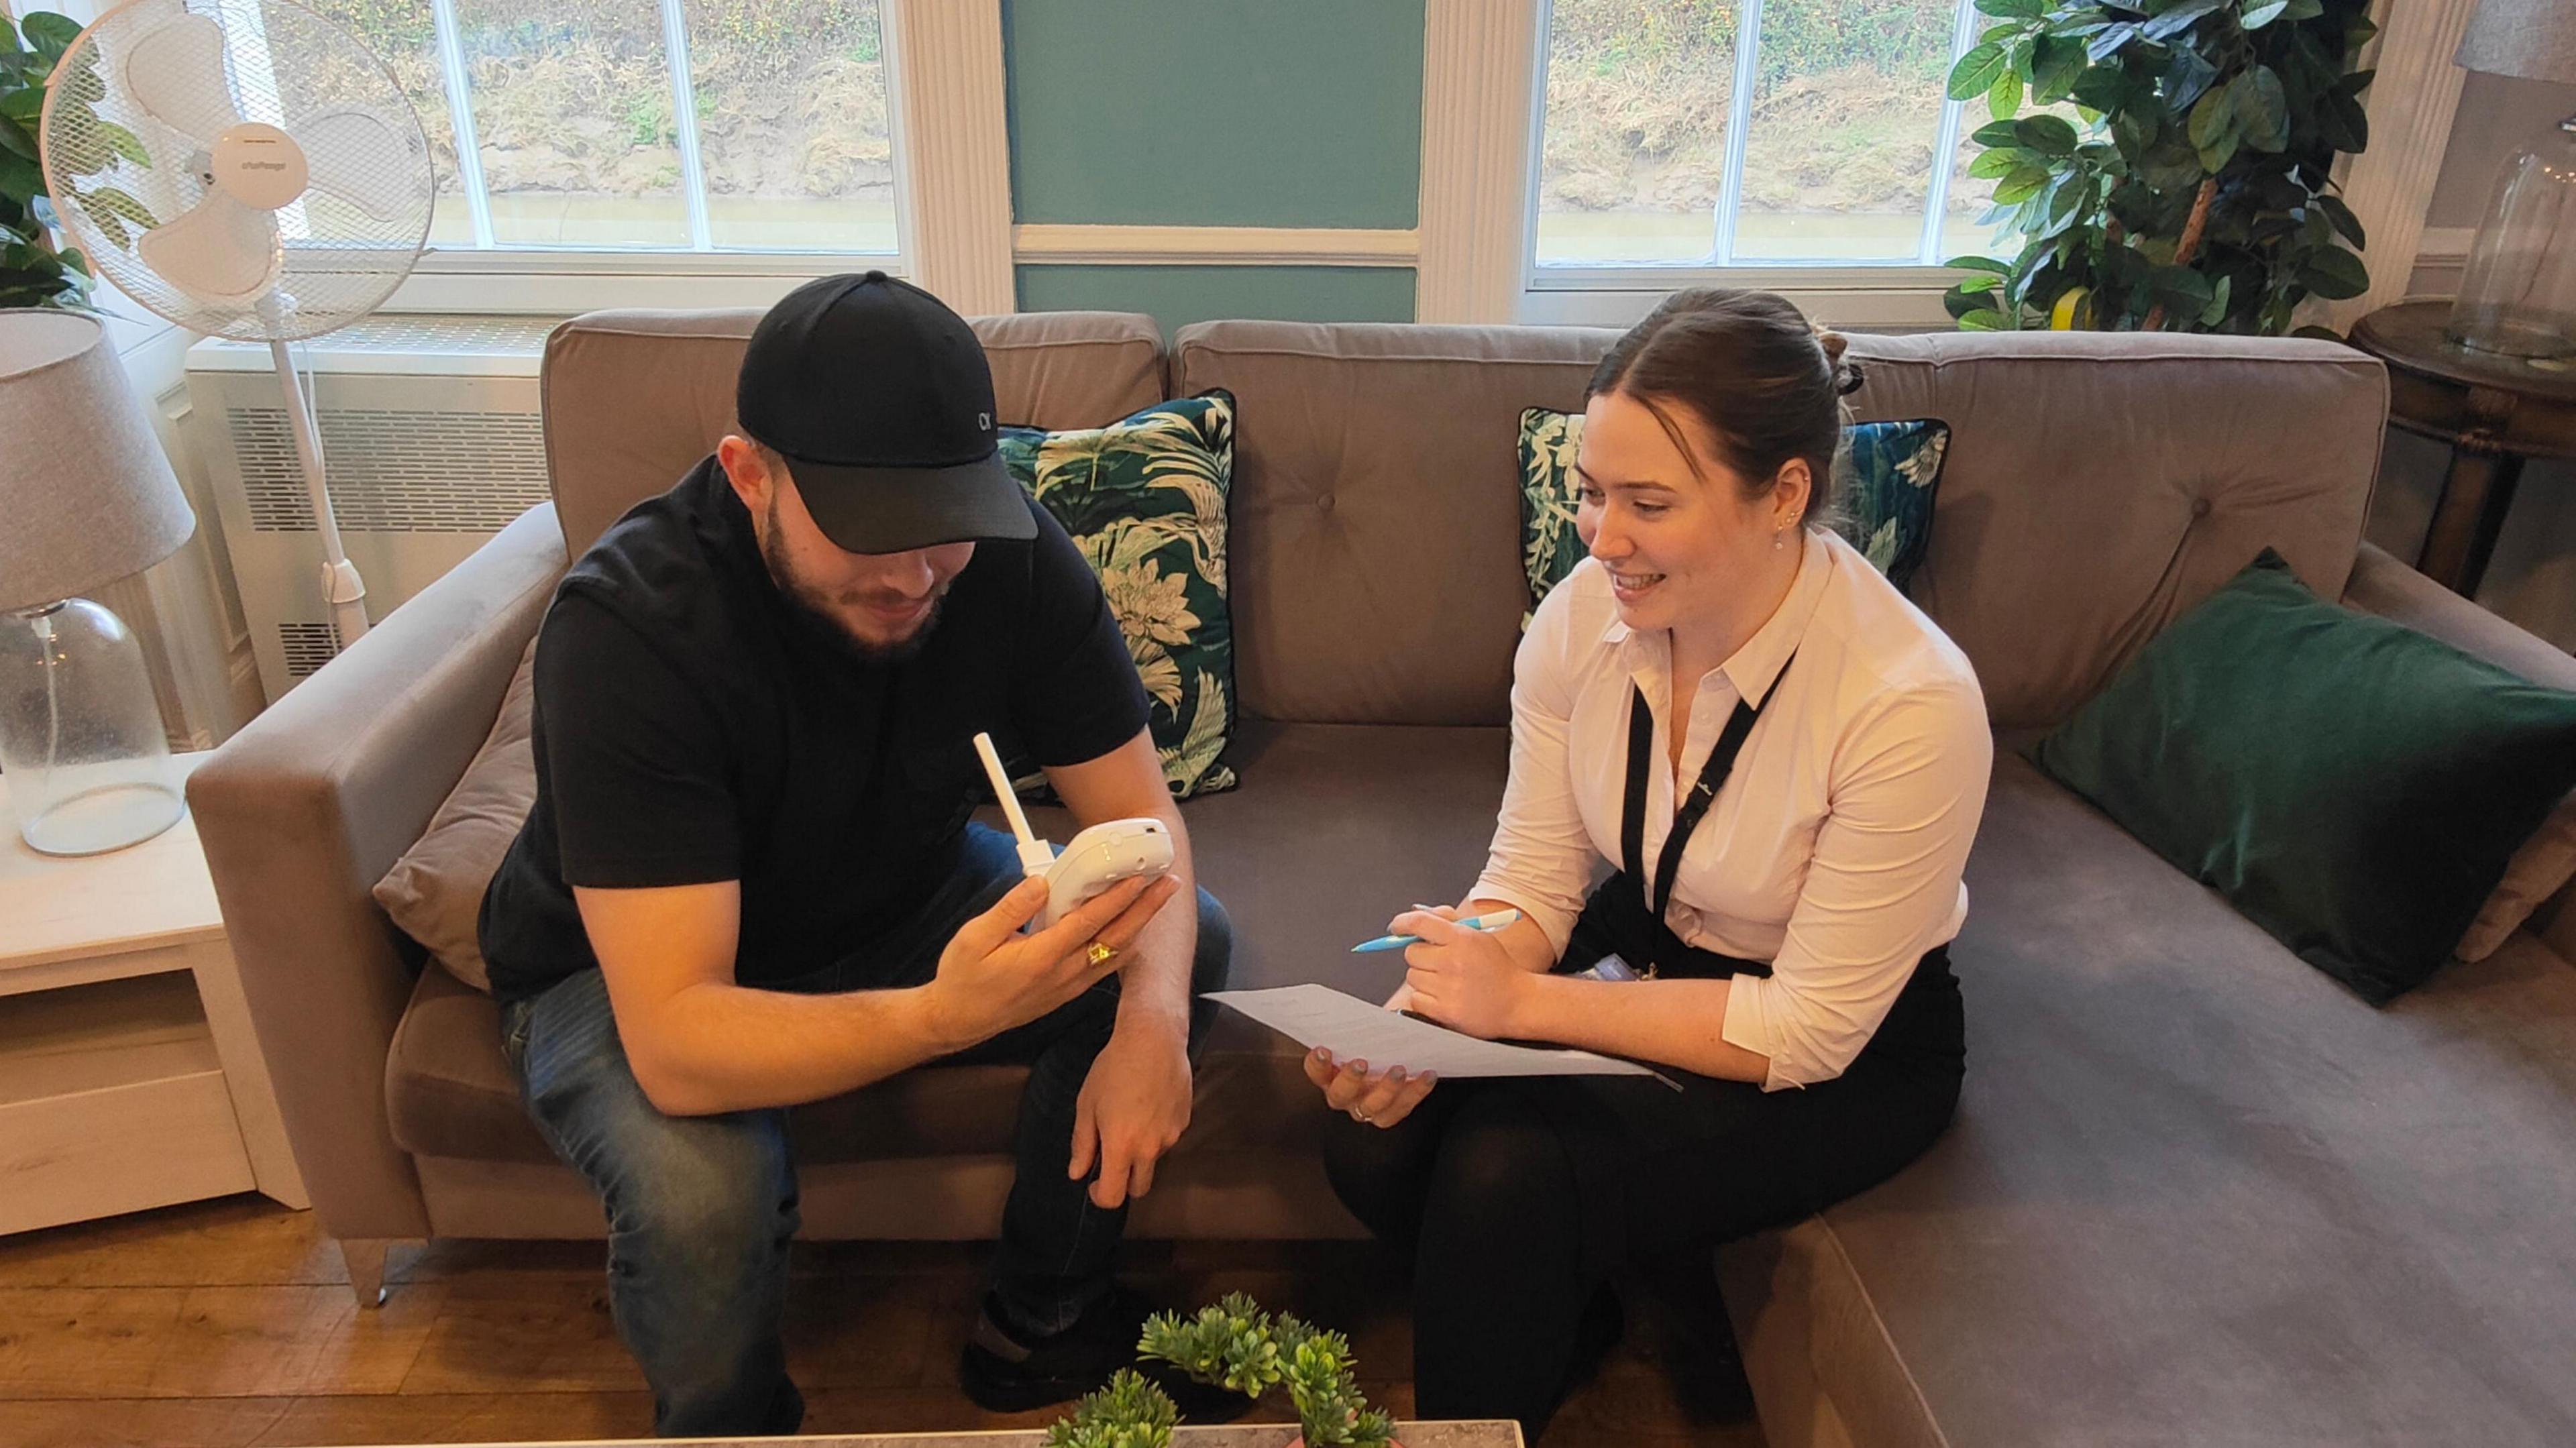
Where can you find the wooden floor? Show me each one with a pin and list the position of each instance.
(231, 1323)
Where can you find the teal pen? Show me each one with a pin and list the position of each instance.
(1481, 924)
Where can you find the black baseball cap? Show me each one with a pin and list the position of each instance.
(881, 401)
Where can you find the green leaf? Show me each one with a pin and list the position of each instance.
(2213, 117)
(1975, 73)
(2262, 109)
(1959, 301)
(2259, 13)
(2188, 77)
(2335, 274)
(1996, 133)
(1994, 165)
(23, 105)
(2054, 68)
(2180, 18)
(1979, 264)
(20, 176)
(2342, 218)
(14, 138)
(2015, 9)
(111, 228)
(2048, 135)
(2102, 88)
(2216, 311)
(126, 144)
(50, 34)
(2310, 10)
(2109, 41)
(1983, 319)
(2021, 185)
(110, 199)
(2181, 285)
(2005, 98)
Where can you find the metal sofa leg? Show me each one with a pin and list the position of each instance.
(365, 1257)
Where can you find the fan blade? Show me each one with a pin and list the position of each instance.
(216, 251)
(176, 73)
(358, 156)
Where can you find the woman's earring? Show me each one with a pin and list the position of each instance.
(1779, 537)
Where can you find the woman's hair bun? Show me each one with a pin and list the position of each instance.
(1846, 374)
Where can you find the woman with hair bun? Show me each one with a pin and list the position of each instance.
(1783, 763)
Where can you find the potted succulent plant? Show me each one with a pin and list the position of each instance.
(1237, 1346)
(1129, 1413)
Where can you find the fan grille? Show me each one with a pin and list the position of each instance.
(128, 136)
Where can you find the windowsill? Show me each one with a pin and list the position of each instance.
(1894, 298)
(567, 282)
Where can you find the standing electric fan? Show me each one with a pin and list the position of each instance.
(250, 170)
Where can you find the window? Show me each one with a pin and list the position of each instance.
(651, 126)
(1751, 133)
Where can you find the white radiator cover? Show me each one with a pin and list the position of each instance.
(432, 439)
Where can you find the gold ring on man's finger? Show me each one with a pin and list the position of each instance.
(1100, 954)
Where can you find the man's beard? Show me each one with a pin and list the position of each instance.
(812, 610)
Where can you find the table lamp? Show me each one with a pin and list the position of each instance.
(86, 498)
(2518, 297)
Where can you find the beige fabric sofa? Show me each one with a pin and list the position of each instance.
(2196, 1192)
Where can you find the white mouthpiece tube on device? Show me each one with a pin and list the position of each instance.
(1036, 855)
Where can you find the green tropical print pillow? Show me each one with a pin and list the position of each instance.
(1889, 473)
(1145, 501)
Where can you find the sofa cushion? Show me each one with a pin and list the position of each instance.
(1145, 500)
(1885, 484)
(449, 1092)
(634, 398)
(2353, 786)
(2196, 1192)
(1334, 830)
(435, 891)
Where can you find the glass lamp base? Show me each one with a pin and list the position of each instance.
(2518, 296)
(104, 817)
(81, 740)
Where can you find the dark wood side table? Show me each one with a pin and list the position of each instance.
(2495, 412)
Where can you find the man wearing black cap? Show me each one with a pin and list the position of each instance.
(749, 882)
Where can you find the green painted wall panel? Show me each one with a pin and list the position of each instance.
(1179, 295)
(1215, 112)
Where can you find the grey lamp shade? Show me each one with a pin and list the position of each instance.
(2532, 39)
(86, 494)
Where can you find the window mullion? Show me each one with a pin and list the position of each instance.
(684, 113)
(460, 120)
(1936, 201)
(1739, 119)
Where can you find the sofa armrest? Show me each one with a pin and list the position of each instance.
(2382, 585)
(307, 807)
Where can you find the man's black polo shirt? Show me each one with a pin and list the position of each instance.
(691, 727)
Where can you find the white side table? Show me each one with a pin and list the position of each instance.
(129, 1076)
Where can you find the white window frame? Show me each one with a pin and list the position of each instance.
(1483, 113)
(945, 96)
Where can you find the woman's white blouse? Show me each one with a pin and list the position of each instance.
(1835, 848)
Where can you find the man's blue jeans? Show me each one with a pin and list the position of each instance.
(701, 1208)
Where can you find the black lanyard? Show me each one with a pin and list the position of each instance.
(1712, 777)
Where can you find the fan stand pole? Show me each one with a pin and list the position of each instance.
(341, 585)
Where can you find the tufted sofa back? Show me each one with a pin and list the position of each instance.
(2097, 486)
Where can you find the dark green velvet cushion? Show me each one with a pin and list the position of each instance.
(2353, 787)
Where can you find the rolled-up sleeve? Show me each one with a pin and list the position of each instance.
(1541, 859)
(1908, 789)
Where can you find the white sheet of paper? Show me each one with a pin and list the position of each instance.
(1354, 1029)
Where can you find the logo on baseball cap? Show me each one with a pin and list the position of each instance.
(881, 401)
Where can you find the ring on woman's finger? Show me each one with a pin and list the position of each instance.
(1359, 1116)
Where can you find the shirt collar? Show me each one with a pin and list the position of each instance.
(1755, 667)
